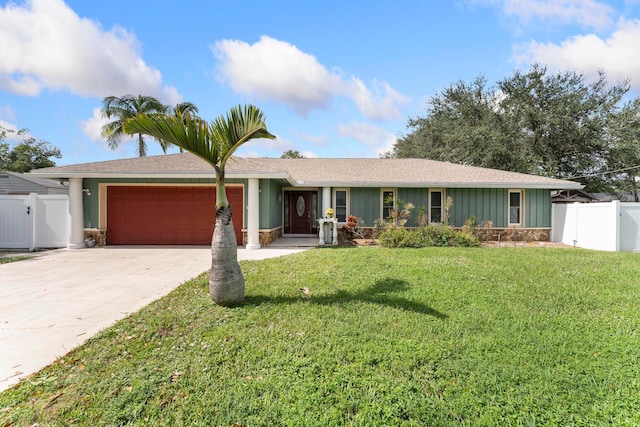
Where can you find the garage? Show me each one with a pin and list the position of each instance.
(167, 215)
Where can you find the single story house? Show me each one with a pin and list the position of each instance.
(13, 183)
(169, 199)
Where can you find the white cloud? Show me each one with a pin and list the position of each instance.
(46, 45)
(93, 127)
(317, 140)
(616, 54)
(278, 71)
(587, 13)
(378, 139)
(6, 112)
(379, 105)
(262, 145)
(249, 154)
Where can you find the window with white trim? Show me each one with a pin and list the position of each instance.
(341, 204)
(516, 204)
(436, 206)
(388, 202)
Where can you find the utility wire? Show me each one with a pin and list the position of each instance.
(605, 173)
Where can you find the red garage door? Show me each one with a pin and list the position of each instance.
(167, 215)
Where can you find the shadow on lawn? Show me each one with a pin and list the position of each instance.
(376, 294)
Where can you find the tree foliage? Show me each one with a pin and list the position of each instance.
(27, 154)
(292, 154)
(555, 125)
(119, 110)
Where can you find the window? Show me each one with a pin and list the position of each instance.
(388, 203)
(515, 207)
(435, 206)
(341, 204)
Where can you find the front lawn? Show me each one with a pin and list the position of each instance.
(367, 336)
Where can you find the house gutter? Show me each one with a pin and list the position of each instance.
(151, 175)
(559, 185)
(563, 185)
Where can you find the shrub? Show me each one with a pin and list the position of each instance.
(431, 235)
(350, 229)
(401, 238)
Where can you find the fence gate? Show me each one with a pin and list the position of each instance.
(33, 221)
(612, 226)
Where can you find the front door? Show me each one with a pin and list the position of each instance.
(300, 212)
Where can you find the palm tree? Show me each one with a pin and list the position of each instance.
(123, 108)
(214, 142)
(183, 108)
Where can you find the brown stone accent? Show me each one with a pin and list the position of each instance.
(266, 236)
(100, 236)
(513, 234)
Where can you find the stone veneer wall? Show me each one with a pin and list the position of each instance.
(513, 234)
(100, 236)
(266, 236)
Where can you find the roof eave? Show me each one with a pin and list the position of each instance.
(151, 175)
(544, 186)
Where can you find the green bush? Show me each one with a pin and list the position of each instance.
(401, 238)
(431, 235)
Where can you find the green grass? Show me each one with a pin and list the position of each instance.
(434, 336)
(13, 258)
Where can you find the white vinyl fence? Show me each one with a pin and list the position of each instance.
(612, 226)
(34, 221)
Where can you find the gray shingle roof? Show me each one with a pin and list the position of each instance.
(17, 183)
(328, 172)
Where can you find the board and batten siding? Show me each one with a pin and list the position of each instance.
(271, 205)
(537, 208)
(493, 204)
(418, 197)
(365, 203)
(483, 203)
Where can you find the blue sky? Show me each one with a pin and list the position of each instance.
(334, 78)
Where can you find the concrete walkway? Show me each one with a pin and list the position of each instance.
(55, 301)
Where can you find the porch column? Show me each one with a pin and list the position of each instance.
(326, 200)
(253, 214)
(76, 231)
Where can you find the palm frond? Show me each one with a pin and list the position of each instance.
(240, 125)
(186, 132)
(215, 142)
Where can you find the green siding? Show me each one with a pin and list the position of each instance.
(365, 203)
(483, 203)
(537, 208)
(492, 204)
(418, 197)
(270, 204)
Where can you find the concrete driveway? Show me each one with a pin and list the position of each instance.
(55, 301)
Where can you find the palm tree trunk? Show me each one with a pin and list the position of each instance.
(226, 282)
(142, 149)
